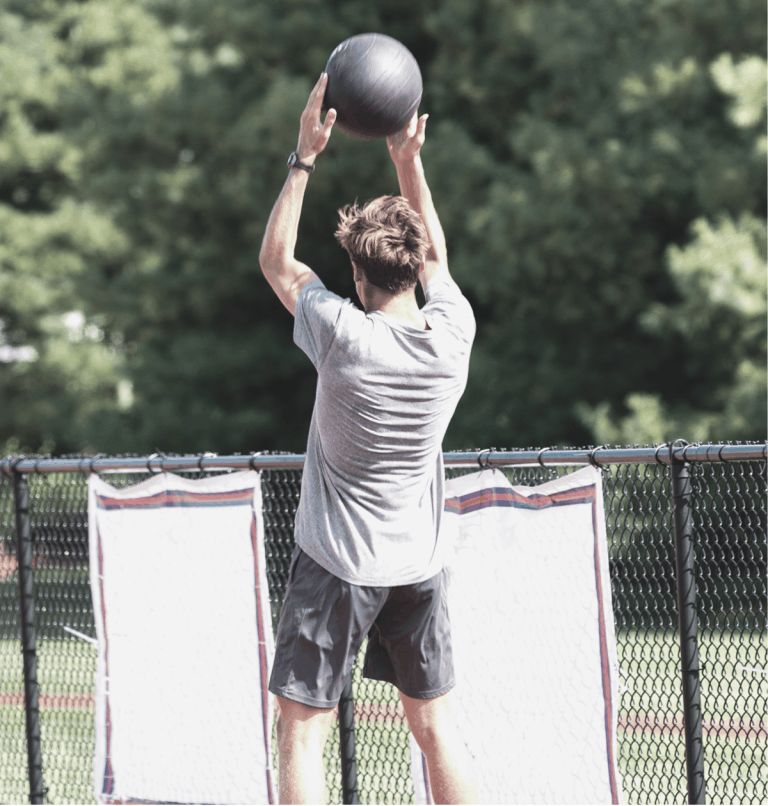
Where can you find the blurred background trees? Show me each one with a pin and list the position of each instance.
(599, 168)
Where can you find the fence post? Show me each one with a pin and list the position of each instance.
(28, 634)
(688, 620)
(347, 745)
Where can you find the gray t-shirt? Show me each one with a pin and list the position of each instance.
(372, 488)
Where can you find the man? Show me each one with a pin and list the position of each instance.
(368, 561)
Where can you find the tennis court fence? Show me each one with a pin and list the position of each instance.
(686, 529)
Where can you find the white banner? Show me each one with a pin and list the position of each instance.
(185, 645)
(533, 640)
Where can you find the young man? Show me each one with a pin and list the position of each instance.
(368, 561)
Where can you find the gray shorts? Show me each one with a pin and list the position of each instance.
(324, 621)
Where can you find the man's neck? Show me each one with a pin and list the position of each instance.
(403, 307)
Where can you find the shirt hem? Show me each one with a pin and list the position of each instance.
(384, 582)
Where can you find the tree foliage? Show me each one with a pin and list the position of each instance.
(599, 168)
(58, 378)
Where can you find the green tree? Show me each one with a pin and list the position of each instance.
(721, 277)
(589, 161)
(596, 134)
(188, 112)
(58, 374)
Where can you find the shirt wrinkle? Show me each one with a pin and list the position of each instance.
(372, 488)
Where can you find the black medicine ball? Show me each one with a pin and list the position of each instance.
(374, 84)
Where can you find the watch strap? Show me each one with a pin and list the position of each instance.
(295, 162)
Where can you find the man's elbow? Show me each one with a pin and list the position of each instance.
(268, 262)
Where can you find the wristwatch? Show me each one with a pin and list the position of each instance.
(293, 162)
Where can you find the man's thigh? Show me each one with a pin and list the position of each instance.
(301, 724)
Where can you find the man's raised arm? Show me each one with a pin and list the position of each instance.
(404, 148)
(285, 274)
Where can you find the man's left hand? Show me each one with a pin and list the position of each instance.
(314, 135)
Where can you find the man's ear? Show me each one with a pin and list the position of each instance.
(356, 273)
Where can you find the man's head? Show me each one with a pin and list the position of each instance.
(386, 240)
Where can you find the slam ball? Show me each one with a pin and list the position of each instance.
(374, 84)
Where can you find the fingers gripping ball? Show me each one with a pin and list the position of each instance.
(374, 84)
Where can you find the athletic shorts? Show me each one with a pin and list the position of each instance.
(324, 621)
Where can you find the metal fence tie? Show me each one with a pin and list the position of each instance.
(538, 457)
(672, 449)
(149, 463)
(656, 453)
(685, 449)
(592, 458)
(252, 457)
(720, 455)
(93, 459)
(203, 456)
(484, 465)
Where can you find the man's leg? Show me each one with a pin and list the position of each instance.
(451, 773)
(301, 735)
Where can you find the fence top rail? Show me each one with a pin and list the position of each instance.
(601, 456)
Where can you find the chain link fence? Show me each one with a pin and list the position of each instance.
(729, 518)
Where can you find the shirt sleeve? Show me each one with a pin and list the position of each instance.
(316, 320)
(446, 305)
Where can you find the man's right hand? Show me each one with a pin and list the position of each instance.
(313, 133)
(406, 144)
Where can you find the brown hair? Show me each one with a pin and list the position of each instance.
(386, 239)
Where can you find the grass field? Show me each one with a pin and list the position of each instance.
(652, 764)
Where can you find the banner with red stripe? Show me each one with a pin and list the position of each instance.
(185, 644)
(534, 647)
